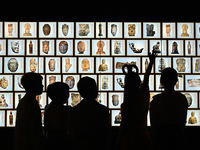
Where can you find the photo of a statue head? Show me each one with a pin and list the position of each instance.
(113, 29)
(27, 28)
(46, 29)
(84, 29)
(15, 46)
(65, 29)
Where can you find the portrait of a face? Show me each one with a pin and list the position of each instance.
(70, 81)
(46, 29)
(10, 29)
(115, 100)
(45, 47)
(65, 29)
(4, 82)
(13, 64)
(15, 46)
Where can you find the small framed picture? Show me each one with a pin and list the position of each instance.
(31, 47)
(137, 47)
(35, 64)
(84, 29)
(115, 99)
(52, 65)
(158, 46)
(6, 83)
(74, 99)
(47, 29)
(145, 64)
(69, 65)
(114, 29)
(120, 61)
(82, 47)
(86, 65)
(16, 47)
(132, 30)
(116, 117)
(17, 83)
(13, 64)
(65, 29)
(105, 82)
(47, 48)
(10, 29)
(118, 48)
(64, 47)
(192, 83)
(192, 99)
(104, 65)
(151, 30)
(190, 48)
(11, 118)
(28, 29)
(185, 30)
(193, 118)
(101, 47)
(50, 79)
(161, 63)
(168, 30)
(182, 64)
(119, 82)
(100, 29)
(71, 81)
(7, 100)
(175, 48)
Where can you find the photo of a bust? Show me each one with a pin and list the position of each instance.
(192, 119)
(27, 28)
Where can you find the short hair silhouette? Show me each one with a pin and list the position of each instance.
(32, 82)
(58, 92)
(87, 88)
(169, 77)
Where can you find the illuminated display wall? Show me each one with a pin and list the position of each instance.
(68, 51)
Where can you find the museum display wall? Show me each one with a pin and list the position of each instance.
(68, 51)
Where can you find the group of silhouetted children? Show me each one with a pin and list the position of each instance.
(87, 125)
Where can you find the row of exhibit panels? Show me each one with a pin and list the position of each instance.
(112, 100)
(94, 65)
(9, 83)
(8, 118)
(97, 47)
(100, 29)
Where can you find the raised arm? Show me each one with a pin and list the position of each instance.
(148, 71)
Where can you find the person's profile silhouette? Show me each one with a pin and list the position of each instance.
(28, 130)
(168, 112)
(56, 117)
(90, 122)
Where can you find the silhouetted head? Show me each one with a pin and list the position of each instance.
(32, 83)
(58, 92)
(169, 77)
(87, 88)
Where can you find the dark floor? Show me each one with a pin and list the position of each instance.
(192, 136)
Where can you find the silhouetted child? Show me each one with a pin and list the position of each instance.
(90, 123)
(168, 112)
(28, 130)
(56, 117)
(133, 132)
